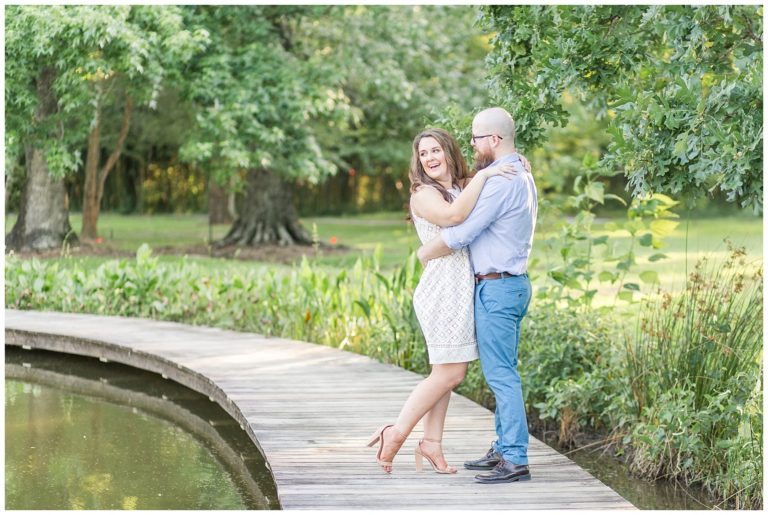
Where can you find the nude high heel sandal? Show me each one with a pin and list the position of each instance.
(419, 455)
(378, 436)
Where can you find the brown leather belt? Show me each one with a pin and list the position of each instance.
(491, 276)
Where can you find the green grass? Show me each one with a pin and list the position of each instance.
(397, 238)
(705, 238)
(128, 232)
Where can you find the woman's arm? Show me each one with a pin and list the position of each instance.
(429, 204)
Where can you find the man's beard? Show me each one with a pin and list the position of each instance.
(483, 160)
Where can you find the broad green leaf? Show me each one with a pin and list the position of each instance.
(626, 296)
(606, 276)
(662, 228)
(595, 191)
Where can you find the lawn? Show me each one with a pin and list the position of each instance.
(397, 238)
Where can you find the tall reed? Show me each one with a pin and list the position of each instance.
(695, 370)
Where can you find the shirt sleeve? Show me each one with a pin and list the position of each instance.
(489, 207)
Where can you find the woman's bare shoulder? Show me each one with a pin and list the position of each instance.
(424, 190)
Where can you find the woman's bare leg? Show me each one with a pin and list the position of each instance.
(433, 390)
(434, 422)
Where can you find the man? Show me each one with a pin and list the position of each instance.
(499, 233)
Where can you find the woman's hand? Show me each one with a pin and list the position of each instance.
(526, 163)
(505, 170)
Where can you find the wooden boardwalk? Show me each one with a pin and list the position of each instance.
(310, 409)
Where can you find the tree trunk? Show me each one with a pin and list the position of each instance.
(268, 215)
(95, 178)
(43, 221)
(88, 230)
(218, 204)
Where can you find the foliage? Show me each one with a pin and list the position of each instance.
(718, 445)
(569, 370)
(92, 51)
(681, 86)
(575, 278)
(253, 95)
(717, 321)
(177, 188)
(695, 369)
(400, 66)
(557, 164)
(358, 309)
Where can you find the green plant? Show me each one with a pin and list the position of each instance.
(576, 276)
(695, 373)
(702, 337)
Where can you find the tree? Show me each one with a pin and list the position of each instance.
(327, 88)
(43, 220)
(681, 86)
(402, 67)
(253, 98)
(62, 65)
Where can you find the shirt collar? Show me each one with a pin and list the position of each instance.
(514, 157)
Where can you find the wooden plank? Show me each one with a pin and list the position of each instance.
(310, 410)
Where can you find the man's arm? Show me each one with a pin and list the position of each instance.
(486, 211)
(434, 249)
(489, 207)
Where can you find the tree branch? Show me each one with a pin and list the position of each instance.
(127, 113)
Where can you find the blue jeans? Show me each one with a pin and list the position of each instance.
(500, 306)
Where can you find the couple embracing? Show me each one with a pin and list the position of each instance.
(476, 235)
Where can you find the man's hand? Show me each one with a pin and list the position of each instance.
(420, 255)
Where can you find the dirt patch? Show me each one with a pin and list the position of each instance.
(284, 254)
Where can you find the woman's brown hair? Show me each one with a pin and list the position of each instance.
(454, 161)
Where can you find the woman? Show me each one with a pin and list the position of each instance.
(443, 300)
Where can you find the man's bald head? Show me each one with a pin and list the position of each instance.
(495, 120)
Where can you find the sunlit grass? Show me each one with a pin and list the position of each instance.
(397, 238)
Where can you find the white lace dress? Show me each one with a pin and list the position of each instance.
(444, 302)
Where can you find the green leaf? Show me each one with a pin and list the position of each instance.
(662, 228)
(595, 191)
(656, 257)
(649, 277)
(626, 296)
(607, 276)
(365, 307)
(620, 200)
(646, 240)
(558, 276)
(632, 286)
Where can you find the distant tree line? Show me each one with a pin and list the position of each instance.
(153, 108)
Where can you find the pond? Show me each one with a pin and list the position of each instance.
(646, 495)
(80, 434)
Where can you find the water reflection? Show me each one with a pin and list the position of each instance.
(87, 435)
(659, 495)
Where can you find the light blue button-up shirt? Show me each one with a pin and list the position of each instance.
(499, 230)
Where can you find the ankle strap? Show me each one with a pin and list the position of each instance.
(431, 440)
